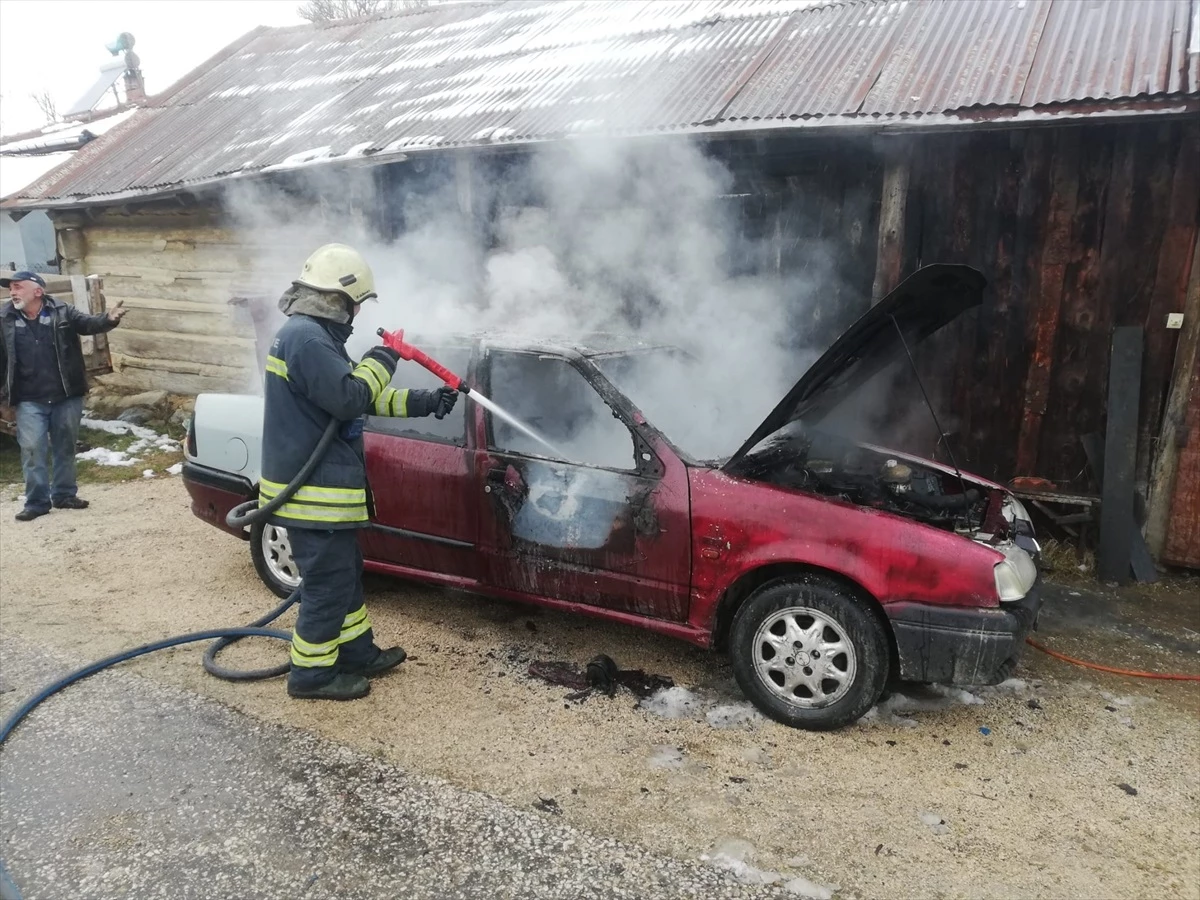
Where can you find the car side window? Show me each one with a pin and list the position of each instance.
(451, 429)
(553, 398)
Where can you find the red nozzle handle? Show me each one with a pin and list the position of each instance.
(395, 340)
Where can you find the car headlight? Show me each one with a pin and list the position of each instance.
(1021, 525)
(1018, 508)
(1015, 574)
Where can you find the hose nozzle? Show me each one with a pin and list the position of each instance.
(395, 340)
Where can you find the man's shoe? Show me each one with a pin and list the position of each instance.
(28, 515)
(343, 687)
(386, 660)
(71, 503)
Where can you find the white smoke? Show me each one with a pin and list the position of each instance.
(634, 238)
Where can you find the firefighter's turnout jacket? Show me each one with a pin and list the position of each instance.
(309, 379)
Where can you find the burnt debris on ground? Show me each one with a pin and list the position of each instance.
(600, 675)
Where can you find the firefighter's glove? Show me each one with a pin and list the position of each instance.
(436, 403)
(385, 356)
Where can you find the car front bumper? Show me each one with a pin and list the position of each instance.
(959, 645)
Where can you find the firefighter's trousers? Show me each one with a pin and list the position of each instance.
(332, 629)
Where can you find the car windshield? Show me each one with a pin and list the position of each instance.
(704, 410)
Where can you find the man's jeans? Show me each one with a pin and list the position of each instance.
(48, 429)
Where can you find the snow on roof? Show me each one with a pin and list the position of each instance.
(487, 74)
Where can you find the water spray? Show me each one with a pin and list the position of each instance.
(395, 340)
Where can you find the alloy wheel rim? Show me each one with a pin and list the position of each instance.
(803, 657)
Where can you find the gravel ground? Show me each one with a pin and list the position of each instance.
(1018, 791)
(129, 788)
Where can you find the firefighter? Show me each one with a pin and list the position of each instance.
(309, 379)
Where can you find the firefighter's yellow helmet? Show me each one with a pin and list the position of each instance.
(338, 267)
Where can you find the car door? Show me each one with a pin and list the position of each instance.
(595, 514)
(422, 477)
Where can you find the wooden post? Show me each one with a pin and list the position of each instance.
(1117, 523)
(96, 305)
(1173, 433)
(79, 299)
(889, 255)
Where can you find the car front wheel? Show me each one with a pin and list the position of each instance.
(272, 554)
(808, 652)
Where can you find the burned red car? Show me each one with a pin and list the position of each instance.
(823, 566)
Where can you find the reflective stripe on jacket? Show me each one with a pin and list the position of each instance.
(309, 380)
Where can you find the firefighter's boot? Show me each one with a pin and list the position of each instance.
(384, 662)
(345, 686)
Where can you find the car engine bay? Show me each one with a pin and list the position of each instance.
(831, 466)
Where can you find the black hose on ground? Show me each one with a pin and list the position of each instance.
(210, 655)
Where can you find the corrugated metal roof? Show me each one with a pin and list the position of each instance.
(462, 75)
(1100, 51)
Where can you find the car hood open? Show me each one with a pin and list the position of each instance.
(926, 301)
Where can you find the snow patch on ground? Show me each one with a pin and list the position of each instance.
(175, 469)
(102, 456)
(147, 439)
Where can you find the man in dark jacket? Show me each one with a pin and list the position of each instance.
(45, 380)
(309, 381)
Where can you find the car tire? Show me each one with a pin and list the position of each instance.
(809, 653)
(272, 555)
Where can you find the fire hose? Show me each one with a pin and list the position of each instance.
(242, 515)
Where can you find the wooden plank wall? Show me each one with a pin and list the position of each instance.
(1183, 531)
(176, 270)
(1078, 230)
(812, 224)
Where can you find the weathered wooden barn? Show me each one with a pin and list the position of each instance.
(1052, 144)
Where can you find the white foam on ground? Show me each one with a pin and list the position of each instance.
(680, 703)
(935, 822)
(885, 714)
(735, 856)
(674, 703)
(734, 715)
(896, 709)
(810, 890)
(1126, 702)
(666, 758)
(956, 695)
